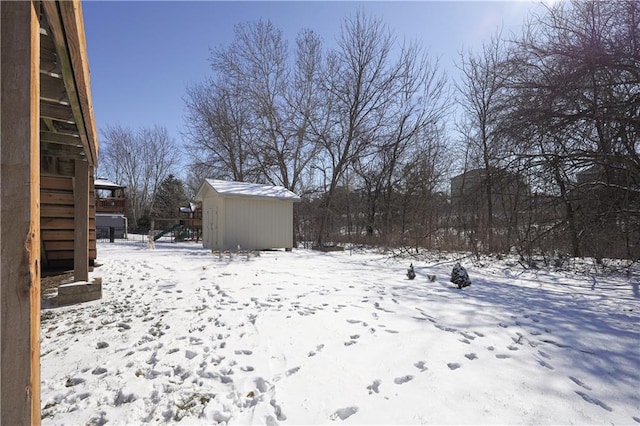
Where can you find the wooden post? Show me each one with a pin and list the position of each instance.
(20, 213)
(81, 221)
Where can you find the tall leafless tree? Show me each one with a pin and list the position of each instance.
(141, 160)
(577, 99)
(483, 83)
(251, 120)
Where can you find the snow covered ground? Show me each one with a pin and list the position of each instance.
(306, 337)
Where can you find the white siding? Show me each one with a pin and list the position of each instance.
(255, 223)
(251, 221)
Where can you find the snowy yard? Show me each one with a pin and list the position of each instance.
(326, 338)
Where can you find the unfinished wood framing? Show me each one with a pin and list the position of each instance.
(49, 149)
(20, 219)
(67, 137)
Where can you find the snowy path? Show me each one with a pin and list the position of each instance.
(315, 338)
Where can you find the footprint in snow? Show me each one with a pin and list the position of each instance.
(594, 401)
(318, 349)
(546, 364)
(453, 365)
(270, 421)
(547, 356)
(467, 335)
(374, 387)
(344, 413)
(403, 379)
(421, 365)
(471, 356)
(579, 383)
(513, 348)
(292, 371)
(502, 356)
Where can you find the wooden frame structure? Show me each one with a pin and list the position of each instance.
(48, 142)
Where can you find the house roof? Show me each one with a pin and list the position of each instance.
(102, 183)
(244, 189)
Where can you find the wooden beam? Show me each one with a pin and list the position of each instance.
(66, 39)
(61, 151)
(57, 112)
(81, 237)
(52, 88)
(60, 138)
(19, 213)
(73, 20)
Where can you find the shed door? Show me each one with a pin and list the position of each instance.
(210, 228)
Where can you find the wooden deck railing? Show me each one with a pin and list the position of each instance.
(111, 205)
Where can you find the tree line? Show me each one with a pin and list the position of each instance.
(544, 143)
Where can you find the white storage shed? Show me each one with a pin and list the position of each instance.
(246, 215)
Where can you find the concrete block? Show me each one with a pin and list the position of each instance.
(79, 292)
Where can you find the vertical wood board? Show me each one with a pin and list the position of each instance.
(19, 213)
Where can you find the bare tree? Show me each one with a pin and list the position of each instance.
(484, 77)
(360, 81)
(576, 105)
(250, 122)
(140, 160)
(219, 131)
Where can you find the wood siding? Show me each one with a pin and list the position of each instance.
(57, 221)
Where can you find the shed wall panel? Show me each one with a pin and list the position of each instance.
(254, 223)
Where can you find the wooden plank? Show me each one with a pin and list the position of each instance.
(55, 211)
(56, 223)
(66, 39)
(56, 198)
(57, 235)
(66, 151)
(92, 215)
(50, 246)
(81, 242)
(55, 111)
(56, 183)
(19, 215)
(60, 255)
(73, 20)
(52, 88)
(60, 138)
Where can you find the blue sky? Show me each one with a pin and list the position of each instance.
(143, 55)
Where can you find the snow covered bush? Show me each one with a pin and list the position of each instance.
(459, 276)
(411, 274)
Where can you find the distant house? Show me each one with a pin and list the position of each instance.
(111, 209)
(246, 215)
(469, 196)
